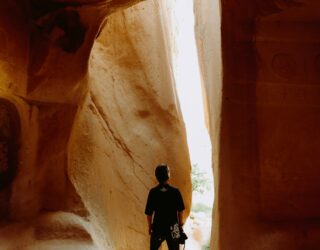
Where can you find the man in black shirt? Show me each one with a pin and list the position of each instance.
(165, 204)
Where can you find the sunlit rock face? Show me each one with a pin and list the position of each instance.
(208, 40)
(268, 140)
(128, 123)
(82, 129)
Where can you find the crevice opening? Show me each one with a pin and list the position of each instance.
(190, 94)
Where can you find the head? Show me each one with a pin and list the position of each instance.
(162, 173)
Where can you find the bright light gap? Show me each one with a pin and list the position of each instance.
(188, 83)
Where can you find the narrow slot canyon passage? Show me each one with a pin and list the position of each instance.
(190, 93)
(94, 94)
(101, 89)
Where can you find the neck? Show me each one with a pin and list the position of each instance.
(164, 183)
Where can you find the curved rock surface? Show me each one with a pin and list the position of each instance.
(88, 109)
(130, 81)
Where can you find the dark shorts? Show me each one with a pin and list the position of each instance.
(157, 239)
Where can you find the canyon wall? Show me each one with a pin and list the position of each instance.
(88, 109)
(208, 39)
(129, 122)
(263, 118)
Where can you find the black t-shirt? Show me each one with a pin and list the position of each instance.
(165, 202)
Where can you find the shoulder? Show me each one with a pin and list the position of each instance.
(174, 189)
(154, 189)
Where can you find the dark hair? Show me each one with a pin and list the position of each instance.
(162, 173)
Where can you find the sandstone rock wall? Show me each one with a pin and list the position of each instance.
(84, 137)
(129, 122)
(208, 39)
(266, 129)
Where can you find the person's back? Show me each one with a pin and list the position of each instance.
(165, 204)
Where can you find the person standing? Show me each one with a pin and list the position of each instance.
(164, 210)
